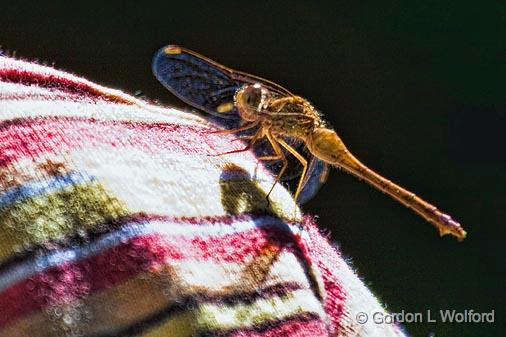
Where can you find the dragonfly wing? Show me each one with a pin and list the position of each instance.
(197, 81)
(209, 86)
(316, 176)
(204, 83)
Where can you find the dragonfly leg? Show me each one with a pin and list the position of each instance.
(275, 145)
(243, 138)
(302, 160)
(254, 139)
(239, 129)
(276, 157)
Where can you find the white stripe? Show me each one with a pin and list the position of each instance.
(178, 184)
(217, 278)
(100, 110)
(167, 183)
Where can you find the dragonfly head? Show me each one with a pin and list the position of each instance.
(250, 100)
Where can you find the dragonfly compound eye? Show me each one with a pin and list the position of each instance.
(252, 96)
(250, 100)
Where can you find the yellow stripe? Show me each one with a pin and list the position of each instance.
(218, 317)
(34, 325)
(213, 317)
(52, 216)
(179, 325)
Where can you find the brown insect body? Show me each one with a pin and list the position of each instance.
(294, 116)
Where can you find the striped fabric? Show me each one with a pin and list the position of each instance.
(119, 218)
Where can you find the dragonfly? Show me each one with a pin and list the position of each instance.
(281, 127)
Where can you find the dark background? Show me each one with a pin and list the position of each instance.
(415, 89)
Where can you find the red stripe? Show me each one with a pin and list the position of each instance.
(142, 253)
(138, 219)
(291, 328)
(57, 81)
(28, 95)
(23, 138)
